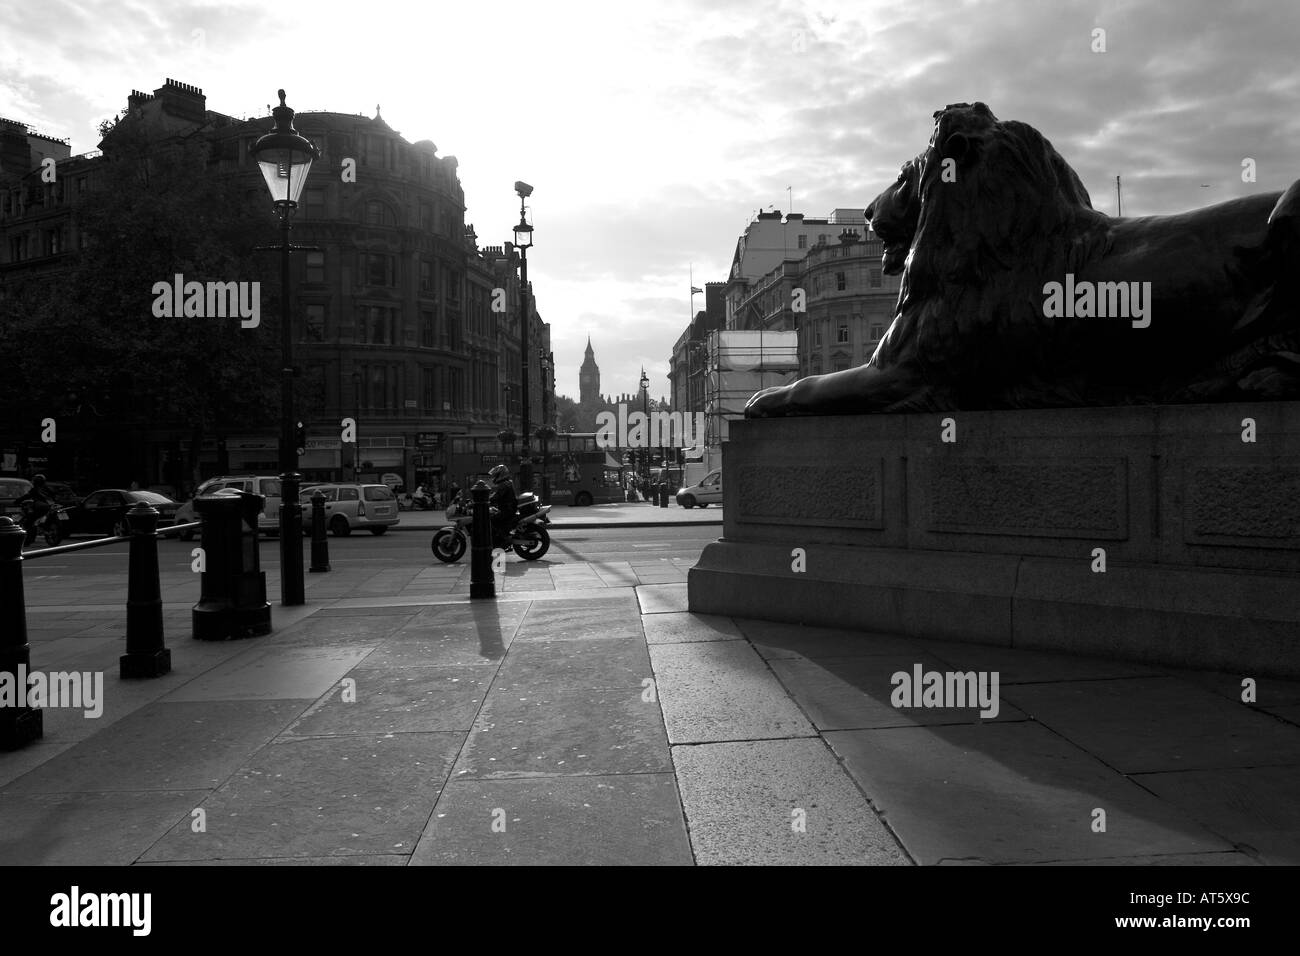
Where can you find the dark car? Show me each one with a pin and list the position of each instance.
(11, 489)
(64, 494)
(104, 511)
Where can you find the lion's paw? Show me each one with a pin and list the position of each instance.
(769, 403)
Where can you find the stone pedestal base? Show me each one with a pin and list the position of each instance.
(876, 523)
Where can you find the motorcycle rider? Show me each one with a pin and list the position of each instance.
(42, 500)
(504, 502)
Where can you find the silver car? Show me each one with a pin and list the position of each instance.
(349, 507)
(268, 486)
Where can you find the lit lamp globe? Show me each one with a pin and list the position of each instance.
(285, 158)
(523, 234)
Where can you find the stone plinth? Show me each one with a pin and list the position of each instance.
(992, 538)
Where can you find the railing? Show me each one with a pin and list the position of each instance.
(101, 542)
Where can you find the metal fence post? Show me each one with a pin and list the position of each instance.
(19, 724)
(146, 655)
(482, 583)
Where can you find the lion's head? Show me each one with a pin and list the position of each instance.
(893, 216)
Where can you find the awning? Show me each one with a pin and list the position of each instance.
(612, 462)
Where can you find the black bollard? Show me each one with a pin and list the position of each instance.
(320, 549)
(19, 724)
(145, 654)
(482, 583)
(663, 495)
(211, 617)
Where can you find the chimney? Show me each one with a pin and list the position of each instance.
(182, 101)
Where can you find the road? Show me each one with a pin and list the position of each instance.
(99, 576)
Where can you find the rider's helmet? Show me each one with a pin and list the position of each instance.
(38, 480)
(499, 473)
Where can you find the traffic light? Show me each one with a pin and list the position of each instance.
(300, 438)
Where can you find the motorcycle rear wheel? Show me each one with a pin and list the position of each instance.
(53, 535)
(539, 542)
(448, 546)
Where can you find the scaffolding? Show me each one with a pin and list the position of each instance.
(738, 364)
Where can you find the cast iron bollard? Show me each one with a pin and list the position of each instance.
(663, 495)
(19, 724)
(232, 599)
(482, 584)
(320, 548)
(145, 656)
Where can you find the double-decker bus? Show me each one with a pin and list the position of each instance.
(573, 467)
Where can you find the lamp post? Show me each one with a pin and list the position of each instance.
(356, 427)
(523, 242)
(547, 431)
(645, 408)
(285, 159)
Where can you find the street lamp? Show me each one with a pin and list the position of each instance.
(285, 158)
(645, 408)
(356, 427)
(547, 431)
(523, 242)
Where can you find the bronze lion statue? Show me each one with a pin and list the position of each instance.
(1016, 293)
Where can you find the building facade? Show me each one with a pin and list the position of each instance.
(397, 320)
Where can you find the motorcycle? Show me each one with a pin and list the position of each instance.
(529, 538)
(49, 525)
(421, 500)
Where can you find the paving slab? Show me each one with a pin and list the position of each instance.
(1160, 723)
(458, 645)
(777, 803)
(683, 627)
(572, 619)
(164, 746)
(1022, 666)
(581, 663)
(722, 690)
(276, 673)
(623, 820)
(775, 640)
(1010, 792)
(1258, 808)
(399, 699)
(563, 729)
(848, 693)
(88, 829)
(355, 859)
(662, 598)
(321, 797)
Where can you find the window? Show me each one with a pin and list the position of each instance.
(453, 285)
(875, 278)
(428, 329)
(821, 237)
(18, 248)
(877, 332)
(379, 269)
(428, 399)
(314, 324)
(841, 363)
(426, 275)
(314, 202)
(315, 267)
(349, 494)
(378, 386)
(841, 282)
(426, 216)
(378, 214)
(53, 242)
(817, 336)
(803, 241)
(842, 335)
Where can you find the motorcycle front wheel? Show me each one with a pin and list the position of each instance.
(448, 546)
(53, 535)
(532, 542)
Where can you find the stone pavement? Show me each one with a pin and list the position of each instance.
(585, 717)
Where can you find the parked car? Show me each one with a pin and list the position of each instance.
(349, 507)
(104, 511)
(707, 492)
(11, 489)
(268, 522)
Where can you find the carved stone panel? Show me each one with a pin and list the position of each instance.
(813, 493)
(1045, 497)
(1253, 504)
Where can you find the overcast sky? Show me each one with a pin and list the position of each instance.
(652, 132)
